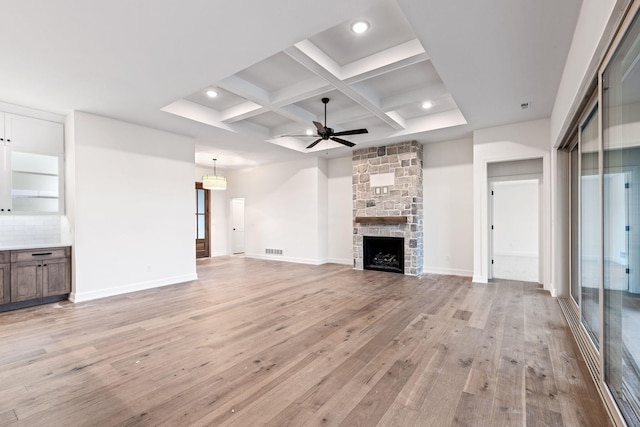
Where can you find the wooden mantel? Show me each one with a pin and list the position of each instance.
(381, 219)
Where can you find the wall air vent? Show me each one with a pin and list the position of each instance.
(273, 251)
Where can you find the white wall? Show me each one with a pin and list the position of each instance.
(340, 217)
(518, 141)
(323, 210)
(582, 61)
(448, 207)
(283, 209)
(132, 206)
(218, 222)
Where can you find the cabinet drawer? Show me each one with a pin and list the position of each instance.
(39, 254)
(5, 256)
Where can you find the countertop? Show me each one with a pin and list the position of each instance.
(33, 246)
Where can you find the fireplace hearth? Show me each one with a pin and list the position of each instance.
(383, 253)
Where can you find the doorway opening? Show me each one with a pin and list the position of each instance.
(202, 221)
(237, 226)
(515, 230)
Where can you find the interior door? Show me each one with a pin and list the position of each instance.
(515, 236)
(237, 225)
(202, 221)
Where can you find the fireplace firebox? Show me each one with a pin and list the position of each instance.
(383, 253)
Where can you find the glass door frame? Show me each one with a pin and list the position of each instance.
(591, 111)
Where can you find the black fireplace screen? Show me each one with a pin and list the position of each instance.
(383, 253)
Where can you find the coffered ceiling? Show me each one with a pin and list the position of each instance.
(378, 80)
(149, 62)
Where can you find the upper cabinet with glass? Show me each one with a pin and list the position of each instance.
(31, 179)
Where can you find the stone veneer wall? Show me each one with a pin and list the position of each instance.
(404, 198)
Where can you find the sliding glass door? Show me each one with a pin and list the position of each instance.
(574, 206)
(621, 223)
(590, 225)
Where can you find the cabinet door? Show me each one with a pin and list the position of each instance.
(26, 281)
(5, 180)
(36, 182)
(5, 281)
(56, 277)
(26, 133)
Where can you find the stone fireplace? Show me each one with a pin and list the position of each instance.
(387, 200)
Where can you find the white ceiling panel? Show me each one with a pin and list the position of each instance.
(440, 104)
(221, 102)
(267, 120)
(275, 73)
(388, 28)
(404, 80)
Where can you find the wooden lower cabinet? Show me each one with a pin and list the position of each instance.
(26, 281)
(5, 283)
(56, 277)
(36, 274)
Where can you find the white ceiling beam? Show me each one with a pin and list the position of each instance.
(300, 91)
(241, 111)
(310, 56)
(388, 60)
(245, 89)
(397, 117)
(260, 97)
(196, 112)
(298, 113)
(310, 50)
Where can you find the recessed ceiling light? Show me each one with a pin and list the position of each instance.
(359, 27)
(211, 93)
(427, 104)
(309, 132)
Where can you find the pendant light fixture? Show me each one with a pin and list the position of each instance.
(214, 182)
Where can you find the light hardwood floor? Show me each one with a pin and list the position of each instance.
(268, 343)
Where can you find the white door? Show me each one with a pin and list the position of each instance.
(237, 225)
(514, 229)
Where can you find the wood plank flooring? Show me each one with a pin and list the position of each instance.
(268, 343)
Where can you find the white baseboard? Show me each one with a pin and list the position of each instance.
(133, 287)
(345, 261)
(479, 279)
(287, 259)
(448, 271)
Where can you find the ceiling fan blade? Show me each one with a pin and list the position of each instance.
(343, 141)
(351, 132)
(321, 129)
(314, 143)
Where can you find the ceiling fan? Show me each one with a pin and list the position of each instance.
(325, 133)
